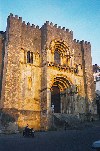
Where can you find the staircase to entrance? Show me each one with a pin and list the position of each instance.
(62, 119)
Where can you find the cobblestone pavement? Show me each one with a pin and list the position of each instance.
(79, 139)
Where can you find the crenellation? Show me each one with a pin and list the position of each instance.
(51, 24)
(44, 24)
(86, 42)
(16, 16)
(63, 28)
(55, 25)
(37, 27)
(71, 32)
(33, 26)
(75, 40)
(67, 30)
(82, 41)
(47, 22)
(89, 43)
(2, 32)
(20, 18)
(28, 24)
(11, 15)
(23, 22)
(59, 27)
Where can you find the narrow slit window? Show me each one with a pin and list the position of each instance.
(29, 57)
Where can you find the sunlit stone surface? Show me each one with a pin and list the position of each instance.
(40, 67)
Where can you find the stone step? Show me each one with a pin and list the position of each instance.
(70, 119)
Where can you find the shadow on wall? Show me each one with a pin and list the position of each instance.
(8, 120)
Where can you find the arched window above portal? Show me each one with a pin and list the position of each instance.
(57, 59)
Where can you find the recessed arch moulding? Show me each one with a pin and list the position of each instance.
(62, 48)
(66, 67)
(67, 92)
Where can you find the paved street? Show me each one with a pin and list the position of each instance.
(69, 140)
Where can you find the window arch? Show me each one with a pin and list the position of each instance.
(57, 59)
(29, 57)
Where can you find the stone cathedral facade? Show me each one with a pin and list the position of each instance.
(41, 67)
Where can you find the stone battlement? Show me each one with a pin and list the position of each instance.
(23, 22)
(82, 42)
(47, 23)
(37, 27)
(58, 27)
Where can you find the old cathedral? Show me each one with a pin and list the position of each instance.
(41, 67)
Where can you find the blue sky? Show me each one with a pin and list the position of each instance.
(80, 16)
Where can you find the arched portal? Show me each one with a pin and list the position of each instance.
(58, 93)
(55, 99)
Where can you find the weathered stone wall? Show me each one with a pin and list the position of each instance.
(50, 71)
(78, 62)
(12, 64)
(88, 70)
(2, 52)
(66, 36)
(21, 83)
(26, 87)
(1, 45)
(43, 78)
(76, 57)
(52, 34)
(88, 75)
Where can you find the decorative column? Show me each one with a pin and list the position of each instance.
(61, 102)
(49, 112)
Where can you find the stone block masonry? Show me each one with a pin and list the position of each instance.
(38, 64)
